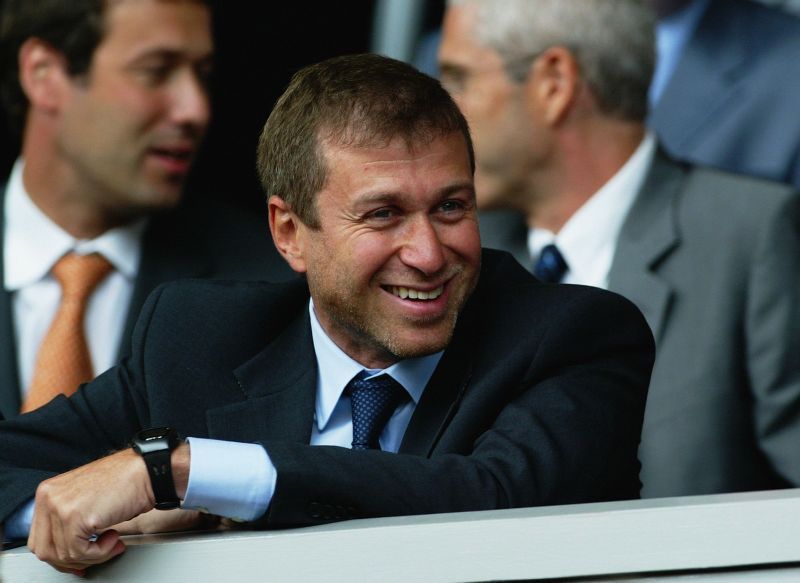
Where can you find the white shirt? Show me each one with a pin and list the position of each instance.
(672, 35)
(32, 245)
(588, 240)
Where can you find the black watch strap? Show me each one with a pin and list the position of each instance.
(159, 466)
(155, 446)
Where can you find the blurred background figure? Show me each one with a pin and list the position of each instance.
(556, 95)
(725, 87)
(111, 104)
(725, 84)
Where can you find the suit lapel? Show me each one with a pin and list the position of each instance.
(169, 252)
(443, 393)
(9, 380)
(279, 385)
(649, 235)
(706, 76)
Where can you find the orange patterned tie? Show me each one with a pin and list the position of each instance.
(63, 361)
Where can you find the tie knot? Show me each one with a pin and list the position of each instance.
(373, 401)
(550, 267)
(78, 275)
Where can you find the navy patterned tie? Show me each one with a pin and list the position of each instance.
(550, 267)
(373, 401)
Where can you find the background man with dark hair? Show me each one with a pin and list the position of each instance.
(111, 102)
(407, 373)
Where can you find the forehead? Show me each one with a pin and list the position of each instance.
(459, 45)
(399, 166)
(135, 27)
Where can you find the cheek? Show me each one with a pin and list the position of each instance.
(464, 240)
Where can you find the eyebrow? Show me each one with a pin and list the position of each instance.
(384, 197)
(170, 54)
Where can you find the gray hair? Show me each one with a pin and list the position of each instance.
(612, 41)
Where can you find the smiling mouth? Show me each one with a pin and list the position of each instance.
(407, 293)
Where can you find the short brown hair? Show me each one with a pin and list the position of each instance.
(355, 100)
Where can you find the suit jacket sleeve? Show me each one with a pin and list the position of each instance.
(773, 337)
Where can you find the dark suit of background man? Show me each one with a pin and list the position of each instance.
(111, 105)
(711, 259)
(505, 392)
(726, 86)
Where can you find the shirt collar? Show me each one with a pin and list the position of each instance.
(588, 239)
(336, 370)
(33, 242)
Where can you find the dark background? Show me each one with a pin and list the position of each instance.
(259, 46)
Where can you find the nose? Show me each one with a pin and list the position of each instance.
(422, 248)
(190, 102)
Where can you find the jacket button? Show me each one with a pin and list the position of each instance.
(314, 510)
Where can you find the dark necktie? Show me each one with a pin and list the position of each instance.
(373, 401)
(550, 267)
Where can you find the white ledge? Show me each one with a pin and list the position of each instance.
(752, 536)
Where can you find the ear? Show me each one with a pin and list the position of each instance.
(287, 233)
(42, 74)
(554, 84)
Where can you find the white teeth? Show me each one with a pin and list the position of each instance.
(414, 294)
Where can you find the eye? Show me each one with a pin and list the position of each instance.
(153, 73)
(383, 215)
(453, 81)
(452, 209)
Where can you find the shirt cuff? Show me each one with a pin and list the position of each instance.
(230, 479)
(18, 525)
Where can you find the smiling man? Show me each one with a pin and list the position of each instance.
(111, 102)
(408, 372)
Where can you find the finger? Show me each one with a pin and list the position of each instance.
(85, 554)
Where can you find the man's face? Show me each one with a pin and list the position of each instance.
(130, 128)
(494, 106)
(397, 253)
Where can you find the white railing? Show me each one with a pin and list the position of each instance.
(735, 537)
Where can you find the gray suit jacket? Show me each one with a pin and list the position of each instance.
(732, 100)
(713, 262)
(208, 240)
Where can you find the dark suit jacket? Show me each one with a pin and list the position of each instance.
(198, 240)
(732, 100)
(713, 262)
(538, 400)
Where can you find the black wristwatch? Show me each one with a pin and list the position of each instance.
(155, 446)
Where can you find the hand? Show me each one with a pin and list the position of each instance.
(167, 521)
(72, 508)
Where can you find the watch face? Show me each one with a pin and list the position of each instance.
(157, 439)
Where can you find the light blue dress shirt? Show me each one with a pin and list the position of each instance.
(237, 480)
(672, 35)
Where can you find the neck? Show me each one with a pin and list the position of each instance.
(587, 158)
(53, 185)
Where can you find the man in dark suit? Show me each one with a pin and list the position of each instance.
(726, 86)
(711, 259)
(111, 103)
(494, 390)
